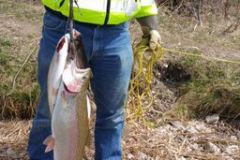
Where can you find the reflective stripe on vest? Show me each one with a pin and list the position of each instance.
(94, 11)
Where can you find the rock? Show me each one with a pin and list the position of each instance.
(130, 156)
(214, 148)
(11, 153)
(177, 125)
(212, 119)
(181, 158)
(202, 127)
(232, 150)
(142, 156)
(233, 138)
(195, 146)
(191, 129)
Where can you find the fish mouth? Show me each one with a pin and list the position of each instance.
(68, 91)
(75, 79)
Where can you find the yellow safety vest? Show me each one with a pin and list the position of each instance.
(104, 11)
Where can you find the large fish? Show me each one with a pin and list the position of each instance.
(68, 80)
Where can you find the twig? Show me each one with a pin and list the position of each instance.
(181, 147)
(20, 69)
(179, 6)
(195, 134)
(202, 156)
(232, 27)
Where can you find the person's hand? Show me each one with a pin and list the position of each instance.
(149, 27)
(154, 39)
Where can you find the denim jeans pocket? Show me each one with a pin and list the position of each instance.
(52, 22)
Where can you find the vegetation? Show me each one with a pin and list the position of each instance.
(18, 47)
(205, 85)
(197, 66)
(209, 87)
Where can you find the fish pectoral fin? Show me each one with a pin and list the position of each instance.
(50, 142)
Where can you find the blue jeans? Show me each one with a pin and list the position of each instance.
(109, 54)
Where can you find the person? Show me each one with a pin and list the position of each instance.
(104, 28)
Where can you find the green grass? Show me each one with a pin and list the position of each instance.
(20, 101)
(5, 45)
(214, 87)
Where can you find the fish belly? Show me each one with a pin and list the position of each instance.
(70, 125)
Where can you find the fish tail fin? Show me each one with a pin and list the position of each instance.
(50, 142)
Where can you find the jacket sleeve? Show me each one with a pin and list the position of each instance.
(148, 8)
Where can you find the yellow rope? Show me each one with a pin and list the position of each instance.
(142, 76)
(140, 86)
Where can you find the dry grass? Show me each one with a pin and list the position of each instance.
(173, 140)
(13, 139)
(177, 33)
(182, 140)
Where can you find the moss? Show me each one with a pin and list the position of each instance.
(213, 87)
(3, 58)
(5, 43)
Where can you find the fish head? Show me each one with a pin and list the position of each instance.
(76, 79)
